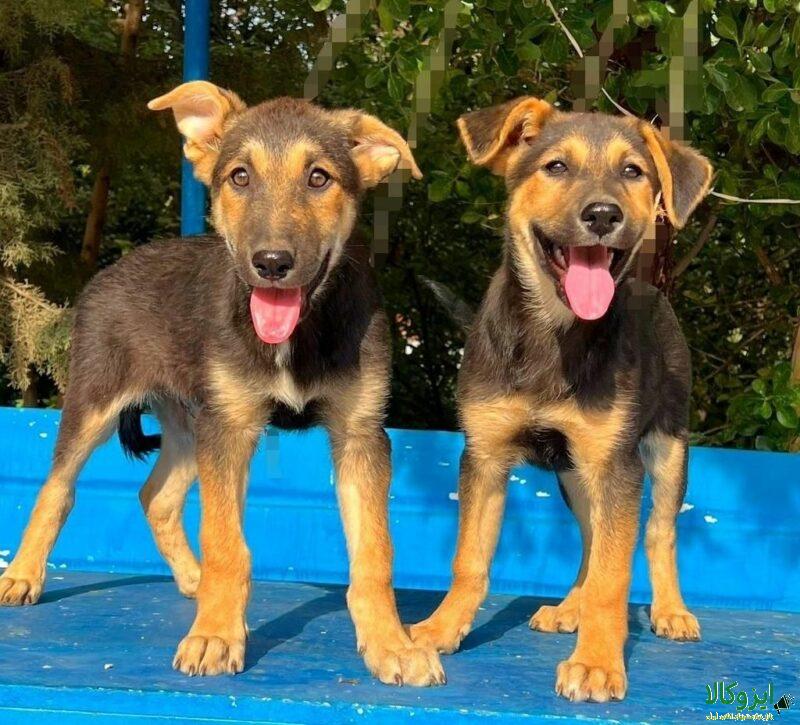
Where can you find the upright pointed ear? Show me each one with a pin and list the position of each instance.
(685, 175)
(202, 111)
(491, 135)
(377, 149)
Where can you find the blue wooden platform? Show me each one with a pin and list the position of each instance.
(99, 644)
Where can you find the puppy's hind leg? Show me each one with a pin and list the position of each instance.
(84, 425)
(564, 617)
(665, 460)
(164, 493)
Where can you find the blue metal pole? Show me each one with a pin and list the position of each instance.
(196, 41)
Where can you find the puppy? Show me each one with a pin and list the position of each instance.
(573, 366)
(277, 318)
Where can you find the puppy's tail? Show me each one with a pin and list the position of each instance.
(458, 309)
(133, 439)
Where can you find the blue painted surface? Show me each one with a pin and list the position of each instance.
(739, 550)
(195, 67)
(101, 645)
(739, 544)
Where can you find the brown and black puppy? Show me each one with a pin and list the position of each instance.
(276, 319)
(573, 366)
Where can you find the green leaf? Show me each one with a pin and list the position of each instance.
(471, 217)
(787, 417)
(396, 87)
(439, 188)
(373, 78)
(726, 28)
(320, 5)
(759, 385)
(774, 92)
(768, 36)
(385, 18)
(765, 410)
(399, 9)
(762, 63)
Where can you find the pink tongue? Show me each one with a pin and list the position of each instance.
(275, 313)
(588, 283)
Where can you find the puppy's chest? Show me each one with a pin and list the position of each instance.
(565, 433)
(282, 386)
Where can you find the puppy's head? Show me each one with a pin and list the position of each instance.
(582, 193)
(285, 179)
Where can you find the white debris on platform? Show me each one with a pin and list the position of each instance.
(542, 494)
(686, 507)
(453, 495)
(710, 519)
(107, 666)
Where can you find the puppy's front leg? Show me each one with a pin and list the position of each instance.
(596, 669)
(363, 471)
(492, 428)
(216, 641)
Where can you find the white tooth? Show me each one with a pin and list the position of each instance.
(558, 255)
(609, 259)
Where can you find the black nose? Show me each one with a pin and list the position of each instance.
(601, 217)
(273, 265)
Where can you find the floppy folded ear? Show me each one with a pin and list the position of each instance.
(377, 149)
(201, 111)
(685, 175)
(492, 134)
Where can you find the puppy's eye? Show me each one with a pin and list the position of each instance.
(632, 171)
(554, 168)
(240, 177)
(318, 178)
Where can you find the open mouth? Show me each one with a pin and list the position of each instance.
(585, 275)
(558, 256)
(276, 311)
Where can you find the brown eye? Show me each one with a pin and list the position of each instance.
(318, 178)
(240, 177)
(632, 171)
(556, 167)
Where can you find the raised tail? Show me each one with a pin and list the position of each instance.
(458, 309)
(133, 439)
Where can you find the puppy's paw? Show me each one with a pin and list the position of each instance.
(678, 624)
(581, 682)
(438, 636)
(403, 662)
(198, 655)
(16, 591)
(188, 581)
(555, 619)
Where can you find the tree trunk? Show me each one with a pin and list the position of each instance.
(93, 232)
(796, 356)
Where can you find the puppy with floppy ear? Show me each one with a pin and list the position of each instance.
(276, 320)
(573, 366)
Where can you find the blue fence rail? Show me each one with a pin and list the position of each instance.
(739, 535)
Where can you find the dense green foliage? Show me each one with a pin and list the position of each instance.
(728, 71)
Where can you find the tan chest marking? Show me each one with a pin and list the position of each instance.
(493, 425)
(244, 401)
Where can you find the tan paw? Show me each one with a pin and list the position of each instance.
(440, 638)
(679, 624)
(197, 655)
(188, 581)
(555, 619)
(403, 663)
(19, 590)
(579, 682)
